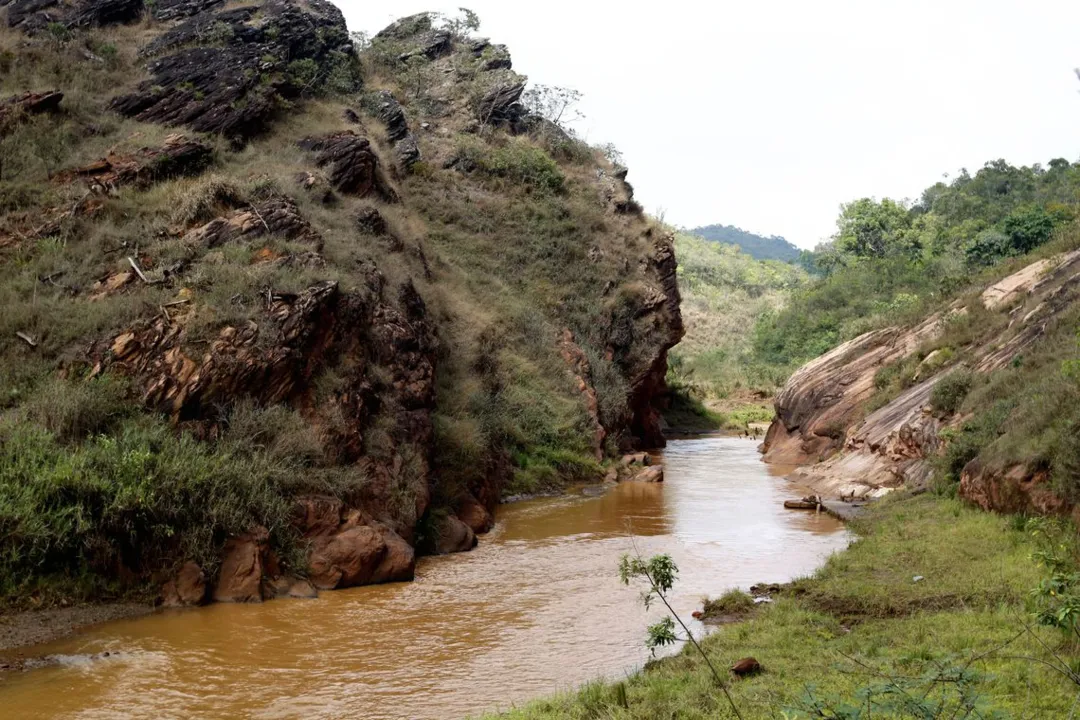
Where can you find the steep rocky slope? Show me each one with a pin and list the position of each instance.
(850, 438)
(374, 274)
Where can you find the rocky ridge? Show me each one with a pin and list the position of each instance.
(841, 451)
(219, 71)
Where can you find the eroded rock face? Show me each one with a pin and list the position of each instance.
(454, 536)
(390, 112)
(819, 424)
(579, 365)
(352, 164)
(36, 15)
(276, 216)
(178, 157)
(14, 110)
(659, 327)
(240, 578)
(186, 589)
(229, 70)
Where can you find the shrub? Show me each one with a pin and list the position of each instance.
(949, 392)
(75, 410)
(518, 161)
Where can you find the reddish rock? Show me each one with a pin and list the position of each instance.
(1015, 489)
(178, 157)
(475, 515)
(652, 474)
(641, 459)
(578, 363)
(399, 563)
(240, 579)
(14, 109)
(746, 666)
(347, 559)
(186, 589)
(317, 515)
(454, 536)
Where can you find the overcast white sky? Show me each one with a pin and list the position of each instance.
(768, 115)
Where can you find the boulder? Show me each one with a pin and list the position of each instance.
(240, 578)
(651, 474)
(399, 563)
(501, 105)
(352, 164)
(346, 559)
(187, 588)
(15, 109)
(640, 459)
(454, 536)
(746, 666)
(178, 157)
(285, 586)
(475, 515)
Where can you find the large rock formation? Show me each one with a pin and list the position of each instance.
(375, 287)
(820, 424)
(229, 71)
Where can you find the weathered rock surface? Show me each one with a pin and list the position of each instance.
(178, 157)
(658, 325)
(352, 164)
(390, 112)
(186, 589)
(475, 515)
(454, 536)
(820, 427)
(501, 105)
(36, 15)
(575, 359)
(230, 69)
(240, 578)
(15, 109)
(276, 216)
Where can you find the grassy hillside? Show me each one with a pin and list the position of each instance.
(246, 263)
(725, 291)
(756, 246)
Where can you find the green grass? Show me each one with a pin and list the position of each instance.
(863, 616)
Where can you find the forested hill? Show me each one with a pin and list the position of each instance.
(757, 246)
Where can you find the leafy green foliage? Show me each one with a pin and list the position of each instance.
(949, 392)
(518, 161)
(873, 229)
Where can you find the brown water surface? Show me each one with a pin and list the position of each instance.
(535, 609)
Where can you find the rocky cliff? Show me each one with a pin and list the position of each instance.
(232, 204)
(849, 438)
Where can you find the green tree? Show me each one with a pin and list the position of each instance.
(868, 228)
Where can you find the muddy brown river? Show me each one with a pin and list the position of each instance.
(537, 608)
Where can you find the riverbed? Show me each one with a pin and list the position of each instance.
(535, 609)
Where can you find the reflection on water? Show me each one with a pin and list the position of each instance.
(535, 609)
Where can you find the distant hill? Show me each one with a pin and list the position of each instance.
(757, 246)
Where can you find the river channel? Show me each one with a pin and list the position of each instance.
(535, 609)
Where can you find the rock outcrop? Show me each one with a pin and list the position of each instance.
(15, 109)
(352, 164)
(36, 15)
(841, 453)
(228, 71)
(178, 157)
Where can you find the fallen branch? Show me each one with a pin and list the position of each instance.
(138, 270)
(174, 303)
(259, 215)
(166, 314)
(26, 338)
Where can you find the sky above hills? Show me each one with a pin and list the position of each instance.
(769, 115)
